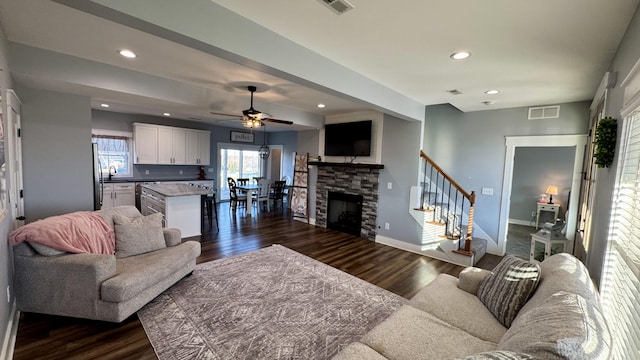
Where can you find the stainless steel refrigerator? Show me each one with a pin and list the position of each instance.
(98, 180)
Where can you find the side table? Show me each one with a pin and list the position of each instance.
(555, 208)
(553, 242)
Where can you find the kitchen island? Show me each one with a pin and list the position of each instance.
(180, 205)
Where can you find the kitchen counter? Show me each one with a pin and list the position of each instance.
(170, 190)
(127, 180)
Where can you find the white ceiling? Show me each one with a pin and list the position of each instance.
(535, 52)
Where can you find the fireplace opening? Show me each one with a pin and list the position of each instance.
(344, 212)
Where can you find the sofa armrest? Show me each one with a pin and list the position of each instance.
(470, 279)
(172, 237)
(64, 284)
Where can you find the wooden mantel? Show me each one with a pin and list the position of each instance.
(349, 165)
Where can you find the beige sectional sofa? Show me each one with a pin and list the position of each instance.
(446, 320)
(100, 287)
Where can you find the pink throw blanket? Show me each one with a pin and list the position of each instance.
(78, 232)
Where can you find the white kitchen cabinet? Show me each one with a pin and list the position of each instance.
(198, 147)
(168, 145)
(145, 140)
(171, 146)
(116, 194)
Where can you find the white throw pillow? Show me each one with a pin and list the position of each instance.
(138, 235)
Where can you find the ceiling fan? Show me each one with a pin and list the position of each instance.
(253, 118)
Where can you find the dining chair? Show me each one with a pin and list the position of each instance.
(278, 193)
(262, 195)
(241, 182)
(287, 180)
(235, 199)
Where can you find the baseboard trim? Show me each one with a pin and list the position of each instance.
(9, 341)
(522, 222)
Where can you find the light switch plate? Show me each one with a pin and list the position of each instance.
(487, 191)
(389, 185)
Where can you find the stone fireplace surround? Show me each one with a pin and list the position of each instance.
(354, 179)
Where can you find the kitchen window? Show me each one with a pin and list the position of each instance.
(114, 152)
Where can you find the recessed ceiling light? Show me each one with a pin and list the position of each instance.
(460, 55)
(127, 53)
(321, 106)
(104, 105)
(166, 114)
(491, 92)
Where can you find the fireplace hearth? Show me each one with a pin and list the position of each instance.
(344, 212)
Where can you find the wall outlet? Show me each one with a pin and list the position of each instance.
(146, 172)
(210, 170)
(180, 172)
(386, 226)
(8, 293)
(533, 213)
(389, 185)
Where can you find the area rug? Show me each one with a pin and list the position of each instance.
(272, 303)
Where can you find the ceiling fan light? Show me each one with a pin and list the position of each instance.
(251, 123)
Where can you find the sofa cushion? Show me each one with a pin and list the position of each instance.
(138, 235)
(565, 326)
(45, 250)
(470, 279)
(562, 272)
(444, 300)
(358, 351)
(499, 355)
(137, 273)
(508, 288)
(410, 333)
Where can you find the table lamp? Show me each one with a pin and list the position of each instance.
(551, 190)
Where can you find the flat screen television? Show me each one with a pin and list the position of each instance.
(348, 139)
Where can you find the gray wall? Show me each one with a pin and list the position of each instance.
(626, 56)
(471, 147)
(56, 152)
(535, 168)
(400, 145)
(289, 142)
(6, 254)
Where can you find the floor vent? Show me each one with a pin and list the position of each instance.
(544, 112)
(338, 6)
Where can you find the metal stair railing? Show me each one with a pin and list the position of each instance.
(447, 200)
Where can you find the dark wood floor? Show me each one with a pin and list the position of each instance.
(401, 272)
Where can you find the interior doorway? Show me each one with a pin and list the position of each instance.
(534, 170)
(512, 143)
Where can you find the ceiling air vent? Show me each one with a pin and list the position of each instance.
(338, 6)
(544, 112)
(454, 92)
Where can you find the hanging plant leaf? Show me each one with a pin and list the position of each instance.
(605, 141)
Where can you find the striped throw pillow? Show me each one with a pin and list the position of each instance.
(508, 288)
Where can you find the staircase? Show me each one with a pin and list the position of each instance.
(445, 212)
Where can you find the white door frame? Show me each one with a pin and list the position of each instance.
(511, 142)
(16, 200)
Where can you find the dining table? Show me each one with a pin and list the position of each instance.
(250, 189)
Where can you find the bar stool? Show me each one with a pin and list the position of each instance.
(208, 208)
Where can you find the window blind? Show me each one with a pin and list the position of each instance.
(620, 286)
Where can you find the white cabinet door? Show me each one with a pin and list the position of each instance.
(179, 146)
(192, 147)
(118, 194)
(165, 145)
(145, 140)
(204, 144)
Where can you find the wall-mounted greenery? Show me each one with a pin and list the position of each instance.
(605, 141)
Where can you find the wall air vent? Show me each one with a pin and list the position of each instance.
(544, 112)
(338, 6)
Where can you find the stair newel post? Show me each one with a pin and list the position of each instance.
(430, 182)
(435, 197)
(461, 214)
(442, 199)
(469, 235)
